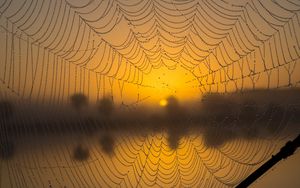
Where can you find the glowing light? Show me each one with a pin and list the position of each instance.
(163, 102)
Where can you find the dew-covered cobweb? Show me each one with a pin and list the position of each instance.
(59, 57)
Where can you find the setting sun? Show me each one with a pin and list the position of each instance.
(163, 102)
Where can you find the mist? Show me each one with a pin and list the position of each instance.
(219, 118)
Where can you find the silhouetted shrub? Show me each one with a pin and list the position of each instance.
(6, 109)
(106, 107)
(172, 104)
(79, 100)
(175, 112)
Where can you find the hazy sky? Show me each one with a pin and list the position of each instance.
(147, 49)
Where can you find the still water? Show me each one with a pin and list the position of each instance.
(135, 158)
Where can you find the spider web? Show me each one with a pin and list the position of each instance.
(53, 49)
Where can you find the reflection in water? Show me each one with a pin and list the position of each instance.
(138, 160)
(215, 137)
(107, 143)
(7, 149)
(81, 153)
(209, 145)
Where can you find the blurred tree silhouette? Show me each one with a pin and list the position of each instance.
(106, 107)
(176, 116)
(78, 101)
(172, 105)
(6, 109)
(7, 147)
(248, 111)
(175, 112)
(219, 107)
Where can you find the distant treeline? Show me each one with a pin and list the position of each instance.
(218, 117)
(252, 105)
(246, 107)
